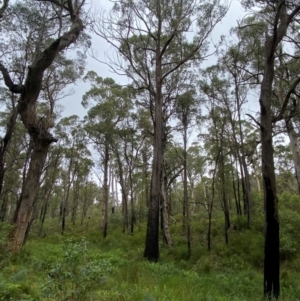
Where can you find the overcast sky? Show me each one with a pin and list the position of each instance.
(72, 104)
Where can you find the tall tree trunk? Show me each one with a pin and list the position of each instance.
(185, 188)
(164, 210)
(133, 217)
(29, 191)
(237, 205)
(4, 144)
(271, 250)
(104, 222)
(271, 260)
(66, 197)
(210, 206)
(152, 237)
(113, 205)
(224, 198)
(295, 148)
(84, 205)
(75, 200)
(124, 192)
(246, 177)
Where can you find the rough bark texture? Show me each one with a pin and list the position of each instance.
(26, 203)
(271, 260)
(4, 144)
(152, 246)
(38, 131)
(164, 210)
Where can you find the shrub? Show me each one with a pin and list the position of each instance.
(5, 245)
(75, 276)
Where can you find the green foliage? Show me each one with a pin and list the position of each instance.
(289, 220)
(5, 245)
(75, 276)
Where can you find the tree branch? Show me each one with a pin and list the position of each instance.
(259, 124)
(286, 100)
(17, 89)
(3, 8)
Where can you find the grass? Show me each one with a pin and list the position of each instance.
(60, 268)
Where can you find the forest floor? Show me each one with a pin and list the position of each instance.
(81, 266)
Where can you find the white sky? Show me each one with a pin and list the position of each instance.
(72, 104)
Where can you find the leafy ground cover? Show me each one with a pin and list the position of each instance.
(82, 266)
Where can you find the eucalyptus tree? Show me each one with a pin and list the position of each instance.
(225, 82)
(48, 27)
(14, 168)
(88, 193)
(108, 103)
(9, 127)
(130, 138)
(150, 38)
(52, 174)
(171, 170)
(280, 17)
(195, 169)
(186, 107)
(75, 162)
(286, 72)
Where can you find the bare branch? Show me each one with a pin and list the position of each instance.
(259, 124)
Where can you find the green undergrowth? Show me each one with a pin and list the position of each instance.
(83, 266)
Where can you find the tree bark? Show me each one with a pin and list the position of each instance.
(5, 143)
(104, 222)
(31, 186)
(186, 217)
(271, 259)
(37, 130)
(152, 246)
(295, 148)
(164, 210)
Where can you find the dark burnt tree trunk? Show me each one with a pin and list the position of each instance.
(271, 259)
(152, 243)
